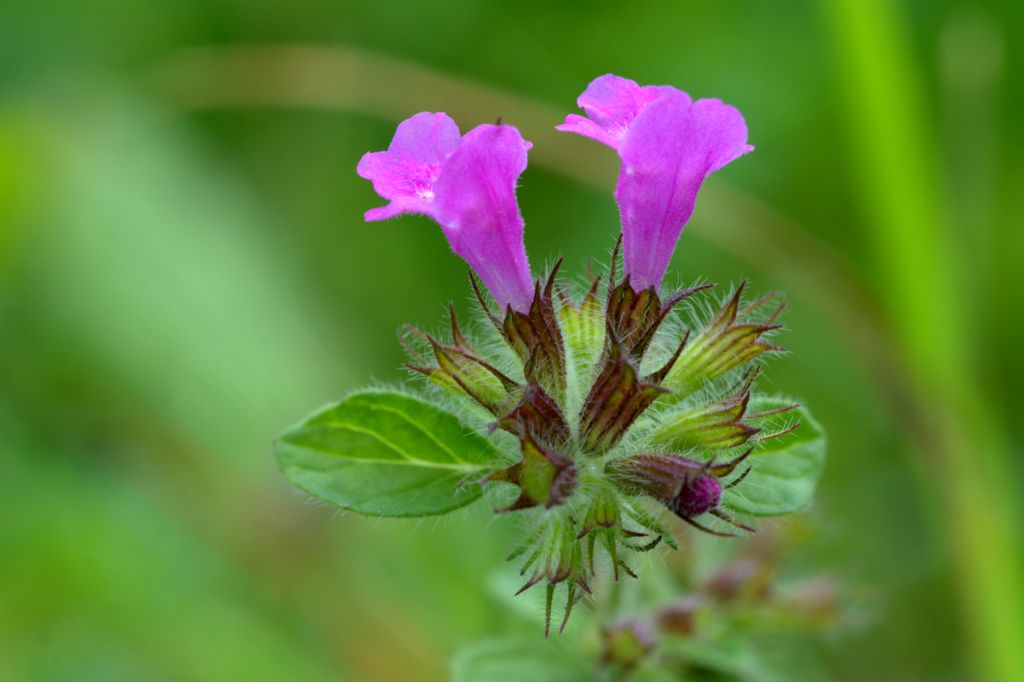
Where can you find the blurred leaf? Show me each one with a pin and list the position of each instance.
(924, 268)
(511, 660)
(721, 660)
(787, 468)
(386, 453)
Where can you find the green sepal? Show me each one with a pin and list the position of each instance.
(545, 477)
(583, 327)
(728, 341)
(716, 426)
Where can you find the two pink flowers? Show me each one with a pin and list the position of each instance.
(667, 144)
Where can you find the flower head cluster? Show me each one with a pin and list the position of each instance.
(607, 401)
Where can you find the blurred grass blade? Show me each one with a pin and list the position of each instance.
(926, 292)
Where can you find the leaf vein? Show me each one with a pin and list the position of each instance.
(405, 456)
(422, 429)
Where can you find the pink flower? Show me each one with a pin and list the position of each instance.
(467, 185)
(668, 144)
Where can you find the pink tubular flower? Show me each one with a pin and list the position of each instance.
(467, 184)
(668, 144)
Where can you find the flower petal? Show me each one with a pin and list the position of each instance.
(475, 204)
(426, 137)
(612, 103)
(668, 151)
(574, 123)
(406, 172)
(668, 144)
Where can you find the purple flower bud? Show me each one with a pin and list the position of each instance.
(688, 487)
(697, 496)
(467, 184)
(668, 144)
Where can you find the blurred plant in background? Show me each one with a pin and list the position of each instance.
(182, 272)
(717, 614)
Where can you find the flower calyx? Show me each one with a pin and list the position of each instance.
(618, 396)
(732, 338)
(718, 425)
(461, 369)
(633, 317)
(534, 335)
(545, 477)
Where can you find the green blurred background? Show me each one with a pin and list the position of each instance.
(184, 272)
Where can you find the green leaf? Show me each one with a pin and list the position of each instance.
(787, 468)
(386, 453)
(513, 660)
